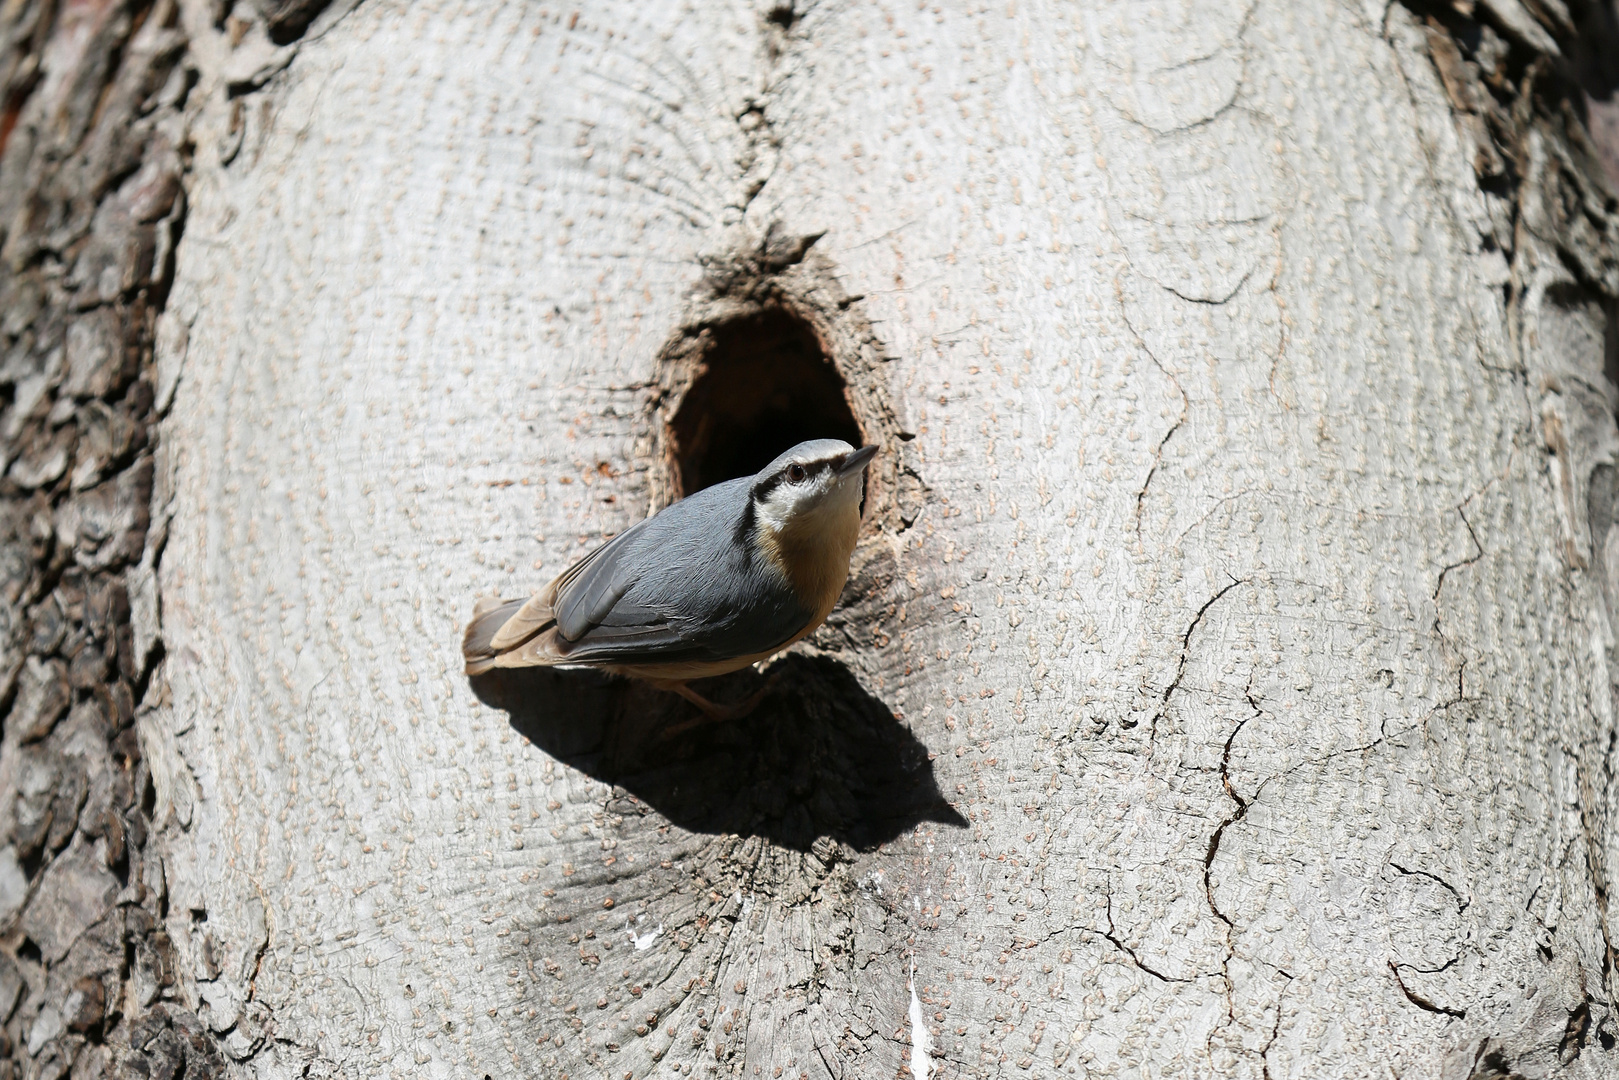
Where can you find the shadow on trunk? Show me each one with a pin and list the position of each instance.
(818, 757)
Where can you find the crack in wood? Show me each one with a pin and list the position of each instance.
(1186, 650)
(1418, 1000)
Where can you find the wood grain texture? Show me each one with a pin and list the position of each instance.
(1253, 620)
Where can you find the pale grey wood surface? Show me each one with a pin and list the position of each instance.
(1252, 617)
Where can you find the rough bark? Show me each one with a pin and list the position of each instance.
(94, 150)
(1224, 686)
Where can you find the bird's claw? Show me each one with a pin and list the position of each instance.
(713, 711)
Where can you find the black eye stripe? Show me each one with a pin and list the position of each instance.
(764, 487)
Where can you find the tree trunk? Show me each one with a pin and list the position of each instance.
(1225, 682)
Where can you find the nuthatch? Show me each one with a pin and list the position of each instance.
(715, 582)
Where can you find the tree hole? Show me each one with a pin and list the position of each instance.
(1610, 343)
(764, 384)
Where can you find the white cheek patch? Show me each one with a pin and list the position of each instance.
(787, 502)
(774, 512)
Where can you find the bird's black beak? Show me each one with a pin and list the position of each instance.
(857, 460)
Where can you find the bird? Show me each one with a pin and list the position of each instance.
(713, 583)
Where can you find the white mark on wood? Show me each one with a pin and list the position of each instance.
(644, 941)
(920, 1043)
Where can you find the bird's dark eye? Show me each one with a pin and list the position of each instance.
(796, 473)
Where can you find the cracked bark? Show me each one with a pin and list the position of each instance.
(444, 280)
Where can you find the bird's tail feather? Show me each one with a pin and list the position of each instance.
(538, 651)
(488, 616)
(529, 619)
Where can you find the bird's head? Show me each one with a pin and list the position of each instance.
(815, 487)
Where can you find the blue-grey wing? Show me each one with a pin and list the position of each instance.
(676, 588)
(587, 592)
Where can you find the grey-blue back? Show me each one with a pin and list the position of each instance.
(682, 585)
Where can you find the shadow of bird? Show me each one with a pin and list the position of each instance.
(819, 757)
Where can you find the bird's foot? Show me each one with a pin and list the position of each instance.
(713, 711)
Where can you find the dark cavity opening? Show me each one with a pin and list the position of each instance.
(1610, 343)
(765, 384)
